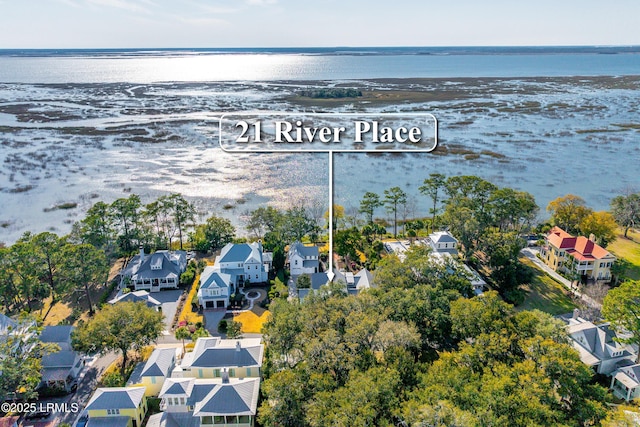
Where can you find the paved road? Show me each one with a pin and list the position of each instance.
(531, 254)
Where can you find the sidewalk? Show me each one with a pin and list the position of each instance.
(531, 254)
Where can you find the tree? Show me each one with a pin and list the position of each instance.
(369, 203)
(182, 333)
(21, 354)
(620, 307)
(432, 187)
(183, 213)
(263, 220)
(48, 248)
(602, 225)
(84, 267)
(126, 215)
(568, 211)
(347, 243)
(338, 215)
(626, 211)
(303, 281)
(234, 329)
(213, 234)
(392, 198)
(97, 227)
(119, 327)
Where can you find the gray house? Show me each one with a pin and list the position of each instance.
(61, 368)
(303, 259)
(154, 272)
(597, 346)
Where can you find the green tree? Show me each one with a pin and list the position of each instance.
(393, 198)
(120, 327)
(620, 307)
(511, 209)
(568, 211)
(602, 225)
(213, 234)
(234, 329)
(97, 227)
(432, 187)
(183, 333)
(183, 214)
(286, 394)
(263, 220)
(84, 267)
(626, 211)
(347, 243)
(21, 359)
(48, 248)
(303, 281)
(369, 203)
(126, 213)
(25, 272)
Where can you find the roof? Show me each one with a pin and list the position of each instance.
(241, 253)
(213, 352)
(137, 296)
(597, 341)
(237, 397)
(161, 264)
(56, 334)
(363, 279)
(55, 374)
(303, 251)
(159, 363)
(177, 387)
(111, 421)
(629, 376)
(59, 359)
(318, 280)
(212, 278)
(579, 247)
(7, 324)
(442, 237)
(116, 398)
(173, 419)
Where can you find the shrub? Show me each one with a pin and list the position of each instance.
(222, 326)
(112, 379)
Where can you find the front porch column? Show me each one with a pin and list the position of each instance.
(628, 394)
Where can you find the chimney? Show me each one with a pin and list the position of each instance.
(225, 376)
(592, 237)
(141, 253)
(260, 246)
(238, 346)
(576, 313)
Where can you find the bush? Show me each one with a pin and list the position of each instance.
(222, 326)
(112, 379)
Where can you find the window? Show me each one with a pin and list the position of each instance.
(153, 380)
(218, 419)
(232, 419)
(200, 373)
(216, 373)
(248, 372)
(113, 411)
(296, 262)
(182, 400)
(232, 372)
(244, 419)
(206, 420)
(256, 276)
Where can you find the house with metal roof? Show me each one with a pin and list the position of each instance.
(566, 253)
(137, 296)
(215, 288)
(597, 346)
(191, 402)
(117, 407)
(625, 382)
(244, 262)
(154, 272)
(212, 357)
(443, 242)
(152, 373)
(303, 259)
(60, 369)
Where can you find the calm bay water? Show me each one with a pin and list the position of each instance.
(79, 126)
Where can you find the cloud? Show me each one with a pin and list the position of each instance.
(261, 2)
(132, 6)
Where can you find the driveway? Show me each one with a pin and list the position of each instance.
(211, 320)
(169, 299)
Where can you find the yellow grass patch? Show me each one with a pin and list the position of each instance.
(57, 314)
(187, 314)
(251, 323)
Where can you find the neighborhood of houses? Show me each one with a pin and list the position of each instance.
(218, 382)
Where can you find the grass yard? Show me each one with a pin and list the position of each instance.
(628, 249)
(545, 294)
(251, 322)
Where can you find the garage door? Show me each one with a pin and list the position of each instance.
(220, 304)
(209, 304)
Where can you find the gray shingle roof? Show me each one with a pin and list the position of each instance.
(303, 251)
(137, 296)
(442, 237)
(177, 386)
(173, 419)
(56, 334)
(116, 398)
(318, 280)
(142, 270)
(240, 252)
(59, 359)
(216, 353)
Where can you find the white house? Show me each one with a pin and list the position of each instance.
(625, 382)
(244, 262)
(303, 259)
(160, 270)
(213, 357)
(443, 242)
(215, 288)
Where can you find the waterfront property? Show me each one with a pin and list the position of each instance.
(117, 407)
(244, 263)
(303, 259)
(154, 272)
(576, 255)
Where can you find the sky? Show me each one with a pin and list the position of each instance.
(42, 24)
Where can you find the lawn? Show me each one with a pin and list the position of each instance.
(545, 294)
(628, 249)
(251, 322)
